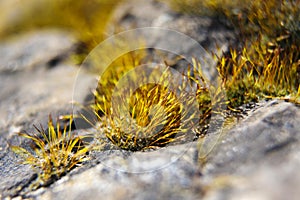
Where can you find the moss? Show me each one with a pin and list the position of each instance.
(151, 115)
(267, 63)
(108, 80)
(54, 152)
(256, 73)
(266, 66)
(249, 17)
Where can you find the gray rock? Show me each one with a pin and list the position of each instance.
(270, 130)
(30, 93)
(259, 158)
(208, 34)
(256, 159)
(14, 176)
(130, 177)
(33, 49)
(36, 84)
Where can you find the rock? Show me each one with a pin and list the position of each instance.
(260, 156)
(33, 49)
(270, 130)
(176, 34)
(120, 176)
(209, 32)
(256, 159)
(30, 92)
(14, 176)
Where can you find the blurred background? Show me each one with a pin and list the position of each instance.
(88, 20)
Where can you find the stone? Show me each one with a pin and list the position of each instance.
(252, 158)
(122, 177)
(209, 35)
(259, 158)
(31, 92)
(270, 130)
(33, 49)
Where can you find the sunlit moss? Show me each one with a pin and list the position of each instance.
(257, 73)
(54, 152)
(112, 75)
(152, 115)
(267, 64)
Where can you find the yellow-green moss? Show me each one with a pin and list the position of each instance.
(255, 73)
(53, 152)
(268, 63)
(266, 66)
(153, 116)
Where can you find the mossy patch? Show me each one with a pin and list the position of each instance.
(266, 64)
(54, 152)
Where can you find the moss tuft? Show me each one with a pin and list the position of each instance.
(54, 152)
(152, 115)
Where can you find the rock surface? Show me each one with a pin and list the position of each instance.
(209, 33)
(33, 49)
(257, 158)
(30, 92)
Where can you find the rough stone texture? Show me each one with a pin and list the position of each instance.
(209, 32)
(30, 92)
(256, 159)
(260, 156)
(119, 177)
(269, 132)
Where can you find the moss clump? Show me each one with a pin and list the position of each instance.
(54, 152)
(108, 80)
(267, 64)
(152, 115)
(257, 72)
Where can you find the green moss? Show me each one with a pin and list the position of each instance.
(256, 73)
(249, 17)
